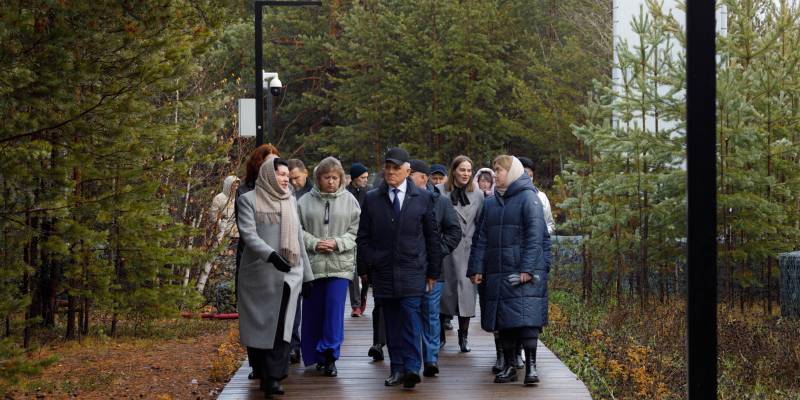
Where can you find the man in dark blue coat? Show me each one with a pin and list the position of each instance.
(399, 249)
(450, 232)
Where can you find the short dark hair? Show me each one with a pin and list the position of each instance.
(279, 161)
(527, 163)
(485, 176)
(295, 163)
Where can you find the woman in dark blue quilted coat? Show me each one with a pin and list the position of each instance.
(510, 258)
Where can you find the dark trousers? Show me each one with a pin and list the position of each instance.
(323, 327)
(273, 363)
(358, 293)
(378, 325)
(512, 339)
(403, 319)
(298, 316)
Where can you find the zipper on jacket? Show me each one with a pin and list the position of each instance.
(326, 221)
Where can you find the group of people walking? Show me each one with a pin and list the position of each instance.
(430, 241)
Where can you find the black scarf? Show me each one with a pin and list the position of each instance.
(459, 196)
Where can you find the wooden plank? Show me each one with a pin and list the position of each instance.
(466, 375)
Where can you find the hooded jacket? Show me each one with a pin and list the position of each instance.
(491, 173)
(222, 210)
(343, 212)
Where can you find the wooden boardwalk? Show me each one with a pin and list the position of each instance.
(463, 375)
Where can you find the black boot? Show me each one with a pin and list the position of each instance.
(330, 363)
(271, 386)
(376, 352)
(500, 364)
(256, 359)
(519, 362)
(463, 342)
(394, 379)
(430, 369)
(509, 373)
(531, 377)
(294, 356)
(447, 322)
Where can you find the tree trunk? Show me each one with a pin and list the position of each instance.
(201, 282)
(113, 330)
(587, 274)
(85, 316)
(770, 262)
(71, 305)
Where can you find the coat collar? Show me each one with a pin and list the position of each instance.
(411, 189)
(521, 184)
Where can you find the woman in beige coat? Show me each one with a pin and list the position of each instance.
(274, 266)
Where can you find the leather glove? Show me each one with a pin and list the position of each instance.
(307, 289)
(279, 262)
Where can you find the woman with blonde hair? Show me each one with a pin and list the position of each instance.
(509, 261)
(329, 215)
(459, 294)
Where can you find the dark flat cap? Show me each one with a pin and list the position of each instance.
(420, 166)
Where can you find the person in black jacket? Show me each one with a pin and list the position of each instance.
(298, 177)
(450, 233)
(358, 187)
(359, 182)
(399, 248)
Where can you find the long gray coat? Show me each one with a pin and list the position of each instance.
(260, 283)
(459, 295)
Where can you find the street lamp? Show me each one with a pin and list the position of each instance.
(259, 5)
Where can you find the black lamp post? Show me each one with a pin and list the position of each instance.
(701, 172)
(259, 5)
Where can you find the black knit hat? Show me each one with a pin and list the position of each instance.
(357, 169)
(527, 163)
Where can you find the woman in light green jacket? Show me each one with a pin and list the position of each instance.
(329, 215)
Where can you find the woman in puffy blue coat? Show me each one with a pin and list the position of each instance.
(510, 259)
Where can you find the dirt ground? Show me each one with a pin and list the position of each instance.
(179, 368)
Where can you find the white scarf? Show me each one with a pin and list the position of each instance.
(514, 173)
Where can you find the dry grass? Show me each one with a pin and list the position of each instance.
(181, 359)
(622, 353)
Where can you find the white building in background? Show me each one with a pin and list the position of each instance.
(625, 12)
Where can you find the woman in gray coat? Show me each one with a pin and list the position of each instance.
(459, 294)
(274, 266)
